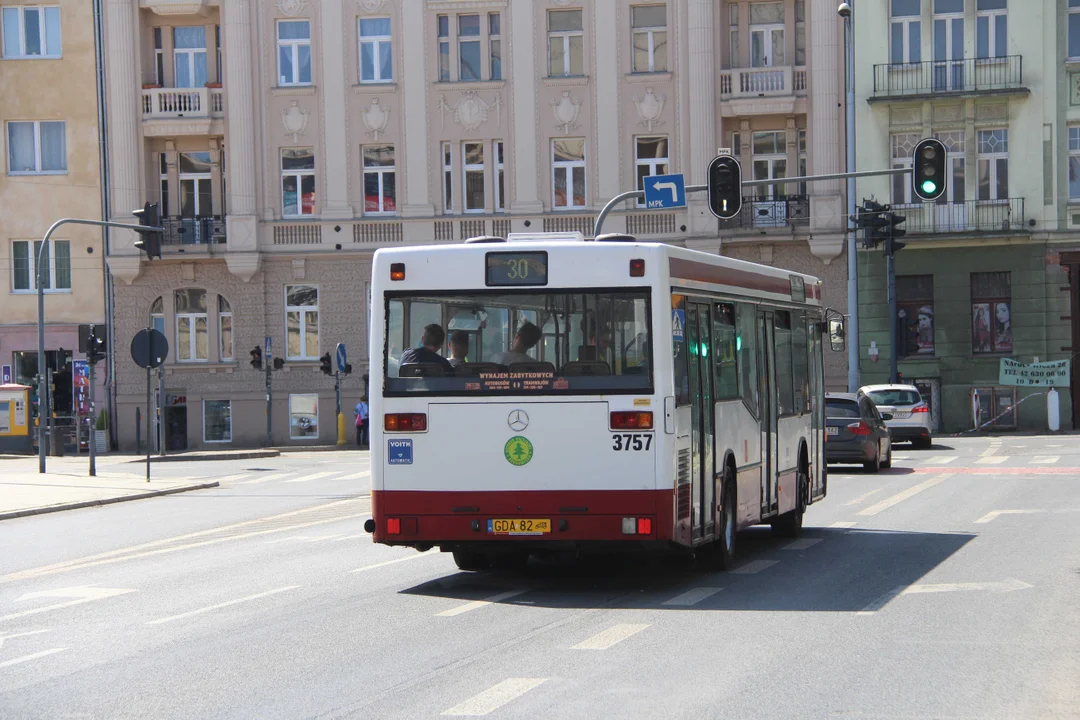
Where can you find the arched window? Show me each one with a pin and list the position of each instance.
(225, 328)
(157, 315)
(192, 325)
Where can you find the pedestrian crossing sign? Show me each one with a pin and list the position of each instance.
(678, 323)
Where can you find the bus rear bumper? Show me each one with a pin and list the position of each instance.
(451, 518)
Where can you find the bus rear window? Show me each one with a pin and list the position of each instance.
(518, 342)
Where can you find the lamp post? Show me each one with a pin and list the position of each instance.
(846, 12)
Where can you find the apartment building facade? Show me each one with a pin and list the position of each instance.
(49, 116)
(989, 270)
(287, 141)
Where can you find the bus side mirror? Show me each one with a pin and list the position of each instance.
(837, 335)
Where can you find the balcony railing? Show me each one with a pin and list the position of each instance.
(973, 216)
(181, 231)
(935, 77)
(172, 103)
(762, 82)
(765, 213)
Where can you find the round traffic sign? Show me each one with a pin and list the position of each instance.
(149, 348)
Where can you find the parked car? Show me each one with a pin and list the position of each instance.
(855, 432)
(910, 421)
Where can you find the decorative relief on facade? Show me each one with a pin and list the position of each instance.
(907, 115)
(649, 109)
(563, 2)
(948, 113)
(370, 6)
(997, 111)
(376, 116)
(567, 109)
(472, 110)
(292, 7)
(294, 121)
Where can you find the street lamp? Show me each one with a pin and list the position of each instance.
(845, 11)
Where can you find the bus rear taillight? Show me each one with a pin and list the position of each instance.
(631, 421)
(397, 271)
(637, 268)
(405, 422)
(637, 526)
(393, 526)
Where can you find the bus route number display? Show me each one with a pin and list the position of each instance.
(516, 268)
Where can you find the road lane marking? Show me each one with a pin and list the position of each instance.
(753, 568)
(693, 597)
(395, 561)
(902, 496)
(995, 445)
(263, 478)
(353, 537)
(897, 456)
(612, 636)
(313, 476)
(200, 611)
(801, 544)
(495, 697)
(304, 538)
(843, 525)
(356, 476)
(993, 514)
(992, 460)
(84, 594)
(28, 658)
(477, 604)
(1045, 460)
(19, 635)
(229, 478)
(941, 460)
(1008, 585)
(864, 496)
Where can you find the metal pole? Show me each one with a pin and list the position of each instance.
(269, 402)
(92, 429)
(339, 417)
(890, 266)
(149, 444)
(853, 261)
(161, 412)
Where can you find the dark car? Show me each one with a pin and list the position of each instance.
(855, 432)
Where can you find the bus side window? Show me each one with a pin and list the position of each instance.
(725, 356)
(800, 360)
(784, 376)
(746, 348)
(681, 356)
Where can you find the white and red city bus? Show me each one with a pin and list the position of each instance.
(614, 396)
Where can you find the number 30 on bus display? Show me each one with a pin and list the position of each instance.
(631, 441)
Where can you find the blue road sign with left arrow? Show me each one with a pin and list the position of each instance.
(341, 359)
(664, 191)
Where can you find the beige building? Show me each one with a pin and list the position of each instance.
(286, 141)
(49, 115)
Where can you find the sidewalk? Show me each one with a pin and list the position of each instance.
(23, 491)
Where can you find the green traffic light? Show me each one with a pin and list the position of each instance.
(929, 187)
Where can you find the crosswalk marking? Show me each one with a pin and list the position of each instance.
(356, 476)
(843, 525)
(801, 544)
(229, 478)
(941, 460)
(313, 476)
(1045, 460)
(864, 496)
(477, 604)
(992, 460)
(901, 496)
(693, 597)
(753, 568)
(27, 658)
(612, 636)
(988, 517)
(263, 478)
(495, 697)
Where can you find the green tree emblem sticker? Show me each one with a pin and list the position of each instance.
(518, 451)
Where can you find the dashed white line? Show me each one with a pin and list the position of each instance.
(229, 478)
(693, 597)
(477, 604)
(495, 697)
(753, 568)
(4, 637)
(1045, 460)
(801, 544)
(843, 525)
(356, 476)
(28, 658)
(230, 603)
(865, 496)
(902, 496)
(992, 460)
(990, 516)
(612, 636)
(313, 476)
(395, 561)
(995, 445)
(263, 478)
(941, 460)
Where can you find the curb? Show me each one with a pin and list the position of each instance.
(105, 501)
(203, 457)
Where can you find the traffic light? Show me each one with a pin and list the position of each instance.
(348, 369)
(149, 240)
(928, 169)
(279, 363)
(871, 218)
(257, 358)
(324, 364)
(93, 343)
(725, 187)
(892, 245)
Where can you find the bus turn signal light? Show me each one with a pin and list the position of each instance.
(393, 526)
(397, 271)
(405, 422)
(637, 268)
(636, 526)
(631, 421)
(644, 526)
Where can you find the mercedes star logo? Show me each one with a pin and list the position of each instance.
(518, 420)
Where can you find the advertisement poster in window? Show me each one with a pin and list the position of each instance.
(80, 387)
(1002, 327)
(303, 416)
(924, 330)
(980, 328)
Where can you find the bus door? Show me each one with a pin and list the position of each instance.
(769, 413)
(699, 337)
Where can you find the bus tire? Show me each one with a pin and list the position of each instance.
(725, 544)
(790, 524)
(470, 560)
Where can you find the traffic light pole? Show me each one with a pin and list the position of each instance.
(44, 421)
(269, 403)
(890, 266)
(92, 430)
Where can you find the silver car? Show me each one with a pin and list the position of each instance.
(906, 414)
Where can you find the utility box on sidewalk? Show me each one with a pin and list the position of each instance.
(15, 419)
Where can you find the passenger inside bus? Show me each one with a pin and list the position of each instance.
(459, 347)
(428, 352)
(526, 338)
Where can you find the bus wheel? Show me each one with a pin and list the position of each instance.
(789, 525)
(470, 560)
(724, 549)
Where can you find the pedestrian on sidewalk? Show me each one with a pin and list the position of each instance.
(361, 411)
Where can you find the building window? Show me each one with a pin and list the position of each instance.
(37, 148)
(566, 43)
(297, 181)
(1074, 164)
(993, 158)
(448, 177)
(217, 421)
(189, 57)
(157, 315)
(31, 32)
(159, 58)
(770, 162)
(767, 34)
(380, 180)
(568, 173)
(217, 51)
(651, 158)
(903, 148)
(225, 329)
(444, 47)
(991, 29)
(468, 47)
(991, 312)
(376, 58)
(650, 38)
(24, 268)
(997, 407)
(195, 193)
(294, 52)
(955, 142)
(495, 44)
(303, 417)
(905, 32)
(163, 184)
(500, 177)
(302, 322)
(192, 326)
(915, 308)
(800, 32)
(473, 158)
(802, 162)
(733, 35)
(1074, 28)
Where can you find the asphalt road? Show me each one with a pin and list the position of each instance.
(944, 588)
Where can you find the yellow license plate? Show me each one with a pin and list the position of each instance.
(519, 527)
